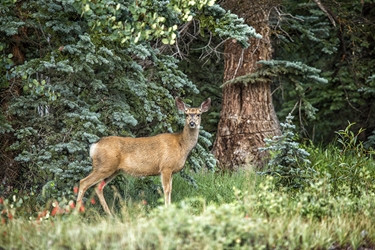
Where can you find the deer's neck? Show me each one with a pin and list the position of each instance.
(189, 138)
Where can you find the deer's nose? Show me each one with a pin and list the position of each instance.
(192, 124)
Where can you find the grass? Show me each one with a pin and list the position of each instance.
(212, 187)
(239, 210)
(214, 216)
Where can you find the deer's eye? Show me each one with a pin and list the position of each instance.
(198, 115)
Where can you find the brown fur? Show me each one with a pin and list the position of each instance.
(163, 154)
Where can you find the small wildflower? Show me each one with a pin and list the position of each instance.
(93, 201)
(75, 189)
(40, 217)
(54, 211)
(71, 204)
(44, 213)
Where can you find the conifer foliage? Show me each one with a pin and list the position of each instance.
(344, 54)
(74, 71)
(289, 163)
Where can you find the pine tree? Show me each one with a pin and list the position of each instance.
(289, 163)
(83, 70)
(343, 54)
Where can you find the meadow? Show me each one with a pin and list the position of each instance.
(327, 202)
(226, 211)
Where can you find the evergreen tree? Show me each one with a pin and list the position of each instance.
(289, 163)
(341, 45)
(83, 70)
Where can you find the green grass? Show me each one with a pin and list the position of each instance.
(227, 211)
(212, 187)
(214, 216)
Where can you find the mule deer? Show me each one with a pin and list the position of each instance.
(163, 154)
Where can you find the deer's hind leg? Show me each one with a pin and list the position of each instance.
(92, 179)
(99, 191)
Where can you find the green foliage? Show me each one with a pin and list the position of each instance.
(296, 72)
(370, 143)
(87, 89)
(343, 54)
(256, 216)
(295, 76)
(226, 25)
(345, 169)
(82, 70)
(5, 65)
(349, 166)
(315, 202)
(133, 21)
(289, 163)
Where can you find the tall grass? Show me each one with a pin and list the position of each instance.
(212, 187)
(227, 211)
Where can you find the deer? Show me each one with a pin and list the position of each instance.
(164, 154)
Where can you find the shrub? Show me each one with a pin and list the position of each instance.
(289, 163)
(347, 164)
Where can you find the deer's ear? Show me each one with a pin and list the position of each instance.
(205, 106)
(180, 104)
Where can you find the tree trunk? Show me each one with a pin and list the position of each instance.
(247, 116)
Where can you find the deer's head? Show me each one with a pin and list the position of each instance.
(193, 115)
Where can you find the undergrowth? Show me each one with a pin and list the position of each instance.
(335, 209)
(251, 216)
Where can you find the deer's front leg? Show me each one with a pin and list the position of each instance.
(166, 180)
